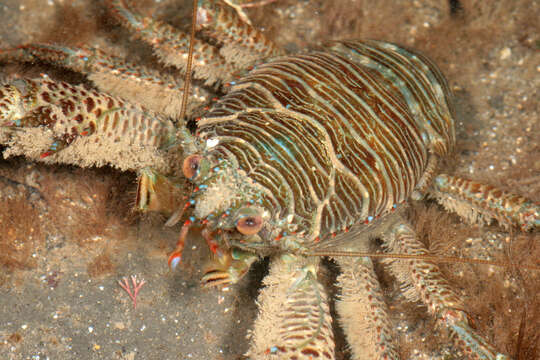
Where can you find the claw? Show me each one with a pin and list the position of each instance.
(216, 278)
(228, 268)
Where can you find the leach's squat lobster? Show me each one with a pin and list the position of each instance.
(316, 152)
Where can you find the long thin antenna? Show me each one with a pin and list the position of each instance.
(187, 79)
(435, 259)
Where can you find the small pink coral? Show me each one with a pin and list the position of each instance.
(136, 287)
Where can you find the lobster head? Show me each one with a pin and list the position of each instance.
(236, 217)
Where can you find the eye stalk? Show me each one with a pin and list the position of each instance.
(249, 221)
(195, 166)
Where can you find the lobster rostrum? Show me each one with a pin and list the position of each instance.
(306, 154)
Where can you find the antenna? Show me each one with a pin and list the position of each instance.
(435, 259)
(187, 79)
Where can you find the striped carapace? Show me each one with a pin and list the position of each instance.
(329, 139)
(320, 151)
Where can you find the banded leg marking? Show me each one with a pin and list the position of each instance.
(172, 45)
(362, 311)
(423, 281)
(243, 44)
(477, 202)
(114, 75)
(40, 118)
(294, 319)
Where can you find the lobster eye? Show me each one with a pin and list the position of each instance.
(194, 166)
(249, 221)
(249, 225)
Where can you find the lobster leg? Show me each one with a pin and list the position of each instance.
(41, 117)
(362, 311)
(171, 45)
(243, 44)
(157, 192)
(114, 75)
(294, 319)
(423, 281)
(477, 202)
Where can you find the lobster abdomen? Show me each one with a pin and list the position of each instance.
(336, 136)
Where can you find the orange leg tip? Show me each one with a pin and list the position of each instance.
(174, 260)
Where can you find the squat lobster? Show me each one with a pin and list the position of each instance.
(288, 162)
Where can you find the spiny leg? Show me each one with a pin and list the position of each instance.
(362, 311)
(239, 5)
(171, 45)
(239, 10)
(423, 281)
(114, 75)
(294, 320)
(477, 202)
(41, 117)
(243, 44)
